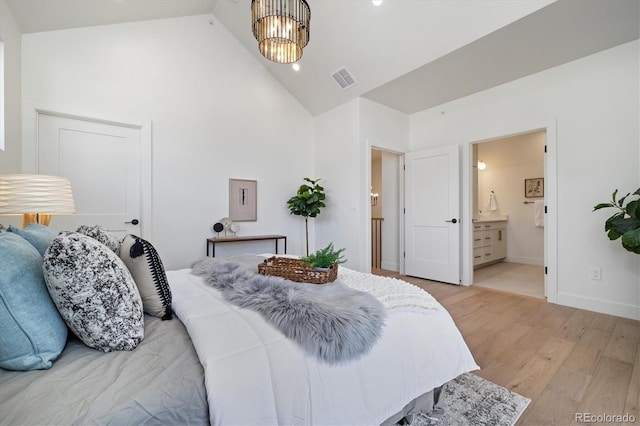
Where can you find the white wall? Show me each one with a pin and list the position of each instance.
(216, 114)
(386, 129)
(510, 161)
(343, 139)
(594, 102)
(337, 154)
(10, 34)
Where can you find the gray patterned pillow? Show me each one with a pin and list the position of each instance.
(94, 292)
(103, 235)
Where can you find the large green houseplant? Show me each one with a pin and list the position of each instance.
(625, 223)
(307, 203)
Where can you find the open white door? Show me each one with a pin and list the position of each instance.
(432, 214)
(102, 161)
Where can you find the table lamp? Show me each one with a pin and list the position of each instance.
(36, 197)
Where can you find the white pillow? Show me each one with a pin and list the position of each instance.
(94, 292)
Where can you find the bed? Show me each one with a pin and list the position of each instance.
(160, 382)
(219, 363)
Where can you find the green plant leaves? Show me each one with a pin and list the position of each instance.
(625, 223)
(602, 206)
(631, 240)
(633, 209)
(309, 199)
(325, 257)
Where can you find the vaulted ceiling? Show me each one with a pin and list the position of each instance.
(407, 54)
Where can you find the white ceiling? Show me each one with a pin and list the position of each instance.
(35, 16)
(407, 54)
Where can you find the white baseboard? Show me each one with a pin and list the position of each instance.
(525, 260)
(598, 305)
(390, 266)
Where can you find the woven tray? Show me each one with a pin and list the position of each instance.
(292, 269)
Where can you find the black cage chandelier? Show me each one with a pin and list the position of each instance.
(281, 28)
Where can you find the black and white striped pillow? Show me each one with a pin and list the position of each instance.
(147, 270)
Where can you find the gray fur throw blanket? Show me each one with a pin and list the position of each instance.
(331, 322)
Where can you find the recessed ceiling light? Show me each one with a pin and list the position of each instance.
(376, 2)
(295, 66)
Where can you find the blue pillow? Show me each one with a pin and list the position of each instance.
(32, 333)
(38, 235)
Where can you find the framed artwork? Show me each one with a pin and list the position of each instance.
(534, 187)
(243, 200)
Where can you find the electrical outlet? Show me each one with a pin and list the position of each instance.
(595, 273)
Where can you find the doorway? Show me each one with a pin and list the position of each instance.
(508, 181)
(385, 210)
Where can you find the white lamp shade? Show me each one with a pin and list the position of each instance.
(39, 194)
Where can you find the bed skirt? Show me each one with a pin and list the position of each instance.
(425, 403)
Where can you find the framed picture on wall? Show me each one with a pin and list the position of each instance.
(243, 200)
(534, 187)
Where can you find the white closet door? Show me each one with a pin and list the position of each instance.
(103, 163)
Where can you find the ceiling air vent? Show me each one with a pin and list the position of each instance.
(344, 78)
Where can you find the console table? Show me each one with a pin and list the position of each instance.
(211, 242)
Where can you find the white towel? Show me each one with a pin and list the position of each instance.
(493, 204)
(538, 213)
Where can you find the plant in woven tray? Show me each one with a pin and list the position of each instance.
(625, 222)
(325, 257)
(307, 203)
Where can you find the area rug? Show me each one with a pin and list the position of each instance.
(474, 401)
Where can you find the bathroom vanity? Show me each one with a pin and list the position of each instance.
(489, 240)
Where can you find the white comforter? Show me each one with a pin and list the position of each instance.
(256, 376)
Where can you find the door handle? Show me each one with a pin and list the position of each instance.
(452, 220)
(134, 222)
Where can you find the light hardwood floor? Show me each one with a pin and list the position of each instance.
(512, 277)
(568, 361)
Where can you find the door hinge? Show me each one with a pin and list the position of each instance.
(545, 149)
(404, 210)
(404, 254)
(545, 209)
(545, 270)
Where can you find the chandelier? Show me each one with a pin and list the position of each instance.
(281, 28)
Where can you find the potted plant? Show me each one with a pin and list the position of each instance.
(625, 222)
(307, 203)
(324, 258)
